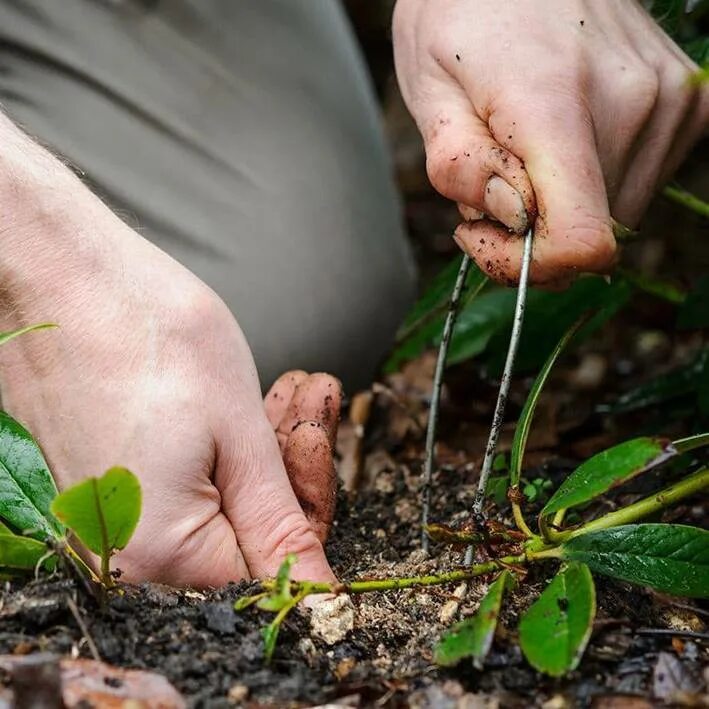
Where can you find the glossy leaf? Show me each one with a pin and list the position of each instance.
(281, 595)
(473, 636)
(12, 334)
(102, 512)
(525, 420)
(684, 445)
(555, 630)
(26, 485)
(20, 553)
(671, 558)
(607, 469)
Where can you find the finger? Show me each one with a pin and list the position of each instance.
(317, 398)
(259, 501)
(466, 164)
(311, 470)
(675, 101)
(280, 394)
(573, 231)
(695, 127)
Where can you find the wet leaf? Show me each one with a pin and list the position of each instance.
(473, 636)
(555, 630)
(26, 485)
(102, 512)
(671, 558)
(281, 595)
(20, 553)
(525, 420)
(607, 469)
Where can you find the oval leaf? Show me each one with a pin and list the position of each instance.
(555, 630)
(672, 558)
(103, 512)
(20, 553)
(607, 469)
(26, 485)
(473, 636)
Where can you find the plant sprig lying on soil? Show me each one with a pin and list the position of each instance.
(555, 629)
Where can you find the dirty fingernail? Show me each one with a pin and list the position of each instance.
(504, 203)
(470, 214)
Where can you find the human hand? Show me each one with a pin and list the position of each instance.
(557, 114)
(149, 370)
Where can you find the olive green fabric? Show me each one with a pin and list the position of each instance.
(240, 136)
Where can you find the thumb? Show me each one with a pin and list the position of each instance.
(259, 501)
(573, 230)
(464, 161)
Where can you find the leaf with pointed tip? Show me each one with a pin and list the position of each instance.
(684, 445)
(12, 334)
(281, 595)
(671, 558)
(555, 630)
(26, 485)
(607, 469)
(473, 636)
(103, 512)
(525, 420)
(20, 553)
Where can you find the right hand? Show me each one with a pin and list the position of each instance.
(556, 114)
(149, 370)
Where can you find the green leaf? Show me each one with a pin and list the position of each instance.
(555, 630)
(20, 553)
(473, 636)
(26, 485)
(525, 420)
(607, 469)
(694, 314)
(12, 334)
(423, 325)
(661, 389)
(270, 637)
(671, 558)
(103, 512)
(244, 602)
(549, 315)
(281, 595)
(684, 445)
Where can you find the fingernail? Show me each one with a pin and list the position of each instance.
(504, 203)
(470, 214)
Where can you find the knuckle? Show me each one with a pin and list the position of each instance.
(292, 535)
(586, 245)
(644, 86)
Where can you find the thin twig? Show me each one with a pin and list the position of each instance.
(436, 395)
(674, 633)
(84, 630)
(499, 414)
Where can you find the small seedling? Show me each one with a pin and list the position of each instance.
(34, 518)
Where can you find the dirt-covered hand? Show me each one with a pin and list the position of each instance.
(149, 370)
(560, 112)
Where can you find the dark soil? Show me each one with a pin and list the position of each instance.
(211, 653)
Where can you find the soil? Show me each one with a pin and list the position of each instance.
(213, 656)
